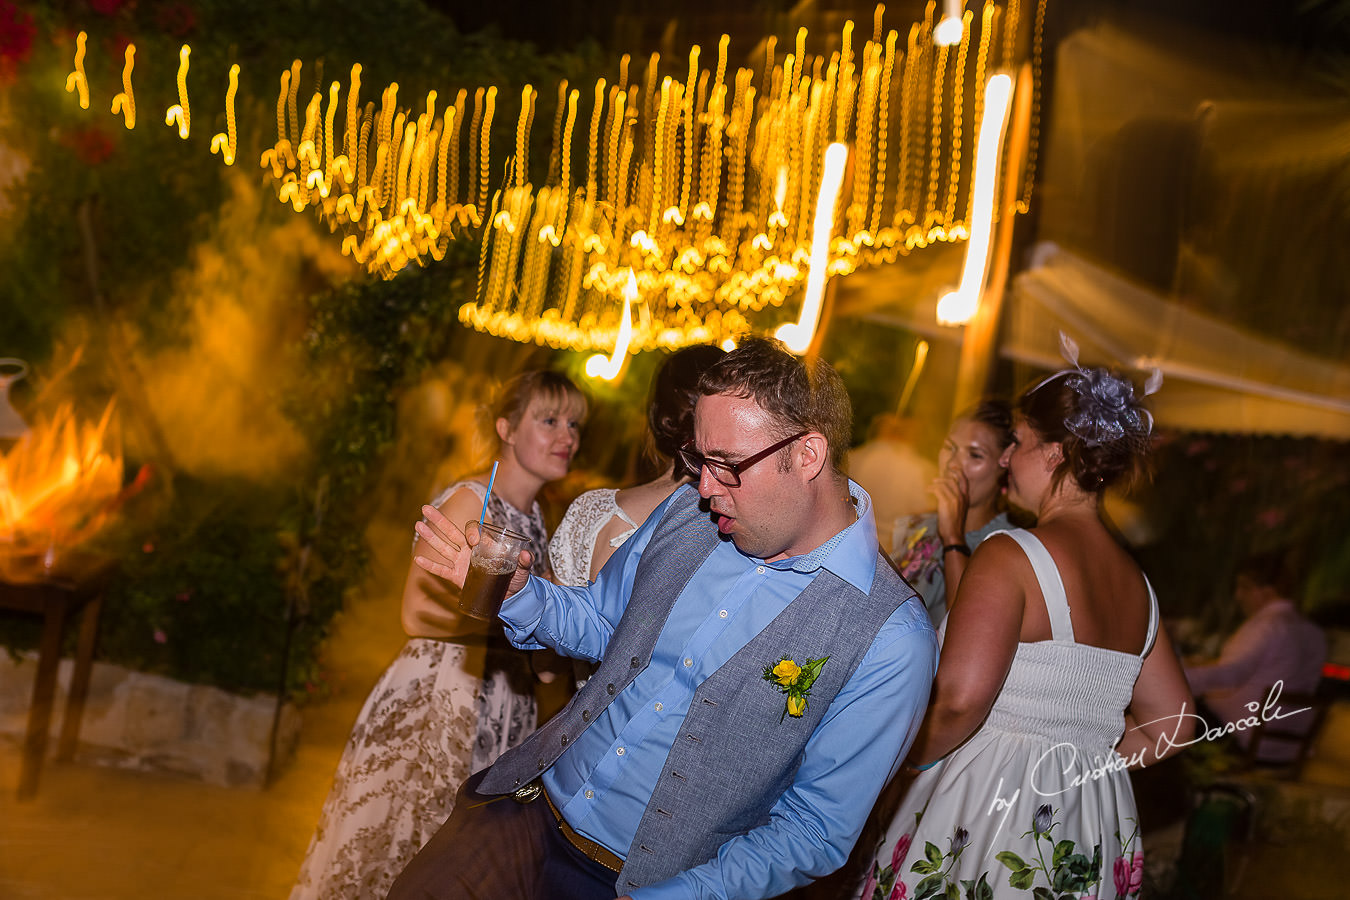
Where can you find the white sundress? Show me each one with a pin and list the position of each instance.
(1038, 797)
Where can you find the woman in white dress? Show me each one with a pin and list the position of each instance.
(931, 549)
(458, 695)
(599, 521)
(1054, 679)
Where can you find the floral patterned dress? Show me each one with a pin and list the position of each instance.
(1036, 804)
(918, 556)
(441, 711)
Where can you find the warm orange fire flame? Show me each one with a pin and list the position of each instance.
(58, 483)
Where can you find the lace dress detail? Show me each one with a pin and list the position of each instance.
(573, 545)
(1038, 796)
(441, 711)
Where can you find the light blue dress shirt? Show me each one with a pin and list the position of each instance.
(602, 783)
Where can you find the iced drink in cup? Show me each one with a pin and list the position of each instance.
(494, 561)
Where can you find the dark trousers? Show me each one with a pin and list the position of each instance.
(493, 848)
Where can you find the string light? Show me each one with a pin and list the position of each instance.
(951, 29)
(180, 112)
(227, 142)
(698, 185)
(125, 101)
(76, 80)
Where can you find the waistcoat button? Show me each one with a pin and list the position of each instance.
(610, 689)
(564, 740)
(635, 662)
(585, 715)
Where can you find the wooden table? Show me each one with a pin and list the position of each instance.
(57, 603)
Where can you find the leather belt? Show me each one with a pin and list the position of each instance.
(589, 848)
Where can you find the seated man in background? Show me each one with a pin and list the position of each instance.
(1274, 644)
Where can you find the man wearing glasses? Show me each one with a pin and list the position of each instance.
(763, 670)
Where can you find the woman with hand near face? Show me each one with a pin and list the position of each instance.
(1054, 677)
(931, 550)
(458, 695)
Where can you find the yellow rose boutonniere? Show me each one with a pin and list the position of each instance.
(786, 672)
(795, 681)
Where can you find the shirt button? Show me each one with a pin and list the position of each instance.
(688, 661)
(658, 707)
(590, 795)
(760, 569)
(620, 752)
(721, 614)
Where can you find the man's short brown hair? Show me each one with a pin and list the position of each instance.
(800, 395)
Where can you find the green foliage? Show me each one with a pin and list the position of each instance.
(217, 578)
(197, 592)
(1217, 498)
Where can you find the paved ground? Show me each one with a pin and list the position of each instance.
(95, 832)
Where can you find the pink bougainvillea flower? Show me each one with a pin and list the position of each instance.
(16, 39)
(16, 32)
(176, 18)
(89, 143)
(160, 636)
(1270, 518)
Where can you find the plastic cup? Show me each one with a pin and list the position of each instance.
(495, 559)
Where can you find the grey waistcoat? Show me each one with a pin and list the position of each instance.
(737, 753)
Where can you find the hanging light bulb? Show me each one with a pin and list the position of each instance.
(12, 425)
(949, 30)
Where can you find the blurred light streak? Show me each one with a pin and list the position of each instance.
(608, 367)
(76, 80)
(797, 336)
(698, 183)
(181, 112)
(124, 102)
(958, 307)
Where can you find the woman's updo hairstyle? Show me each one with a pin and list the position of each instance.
(1103, 429)
(674, 393)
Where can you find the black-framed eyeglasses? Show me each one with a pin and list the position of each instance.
(728, 474)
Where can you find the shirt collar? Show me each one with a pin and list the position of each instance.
(851, 554)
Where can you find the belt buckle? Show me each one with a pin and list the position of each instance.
(529, 793)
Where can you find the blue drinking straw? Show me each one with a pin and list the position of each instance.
(491, 480)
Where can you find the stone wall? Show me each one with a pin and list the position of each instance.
(155, 724)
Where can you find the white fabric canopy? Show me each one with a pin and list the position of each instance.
(1219, 377)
